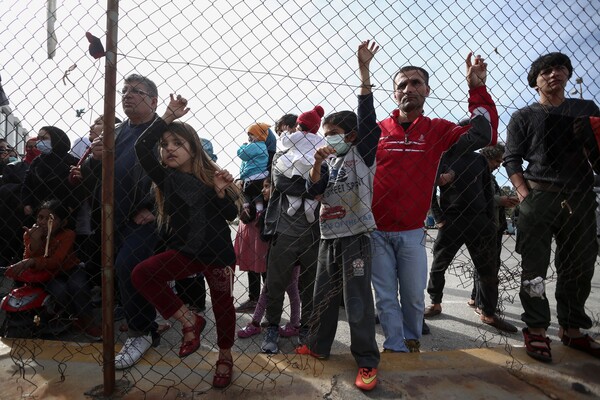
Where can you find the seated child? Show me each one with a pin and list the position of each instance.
(49, 258)
(255, 164)
(299, 148)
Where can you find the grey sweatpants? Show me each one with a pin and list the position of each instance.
(345, 265)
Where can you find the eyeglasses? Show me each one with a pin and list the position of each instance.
(134, 91)
(3, 150)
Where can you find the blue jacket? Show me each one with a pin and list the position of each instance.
(255, 159)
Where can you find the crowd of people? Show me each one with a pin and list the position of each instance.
(328, 218)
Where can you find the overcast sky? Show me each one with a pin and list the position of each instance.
(244, 61)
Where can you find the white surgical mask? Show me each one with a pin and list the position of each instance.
(338, 144)
(45, 146)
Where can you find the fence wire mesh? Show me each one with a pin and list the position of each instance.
(239, 63)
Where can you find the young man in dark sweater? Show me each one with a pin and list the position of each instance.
(556, 201)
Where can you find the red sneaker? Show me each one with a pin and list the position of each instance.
(308, 352)
(366, 378)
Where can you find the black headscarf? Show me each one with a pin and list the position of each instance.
(61, 144)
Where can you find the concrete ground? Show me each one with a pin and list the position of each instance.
(490, 373)
(460, 359)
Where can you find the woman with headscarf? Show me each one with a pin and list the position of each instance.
(12, 221)
(47, 177)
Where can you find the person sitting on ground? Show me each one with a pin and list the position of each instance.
(135, 233)
(48, 174)
(50, 258)
(11, 207)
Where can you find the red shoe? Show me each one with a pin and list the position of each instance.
(537, 346)
(366, 378)
(304, 350)
(223, 379)
(582, 343)
(191, 346)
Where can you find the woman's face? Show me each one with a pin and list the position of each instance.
(44, 135)
(96, 128)
(30, 145)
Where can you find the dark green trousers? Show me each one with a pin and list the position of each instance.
(569, 219)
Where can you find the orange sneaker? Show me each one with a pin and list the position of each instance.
(366, 378)
(304, 350)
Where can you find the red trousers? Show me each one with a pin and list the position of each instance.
(151, 277)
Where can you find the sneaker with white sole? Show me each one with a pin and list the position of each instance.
(270, 341)
(133, 349)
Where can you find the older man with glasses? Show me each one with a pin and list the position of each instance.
(134, 223)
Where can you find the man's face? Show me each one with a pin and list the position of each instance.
(410, 90)
(137, 100)
(552, 80)
(494, 163)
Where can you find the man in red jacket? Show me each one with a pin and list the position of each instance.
(408, 154)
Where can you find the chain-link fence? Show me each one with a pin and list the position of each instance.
(237, 64)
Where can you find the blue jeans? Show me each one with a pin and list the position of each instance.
(399, 262)
(135, 243)
(72, 291)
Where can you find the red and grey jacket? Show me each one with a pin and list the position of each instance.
(407, 160)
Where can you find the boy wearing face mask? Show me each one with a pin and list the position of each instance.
(342, 176)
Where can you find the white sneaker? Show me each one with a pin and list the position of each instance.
(133, 349)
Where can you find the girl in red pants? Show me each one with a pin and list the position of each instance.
(194, 200)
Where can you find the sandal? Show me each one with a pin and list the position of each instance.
(537, 346)
(582, 343)
(222, 380)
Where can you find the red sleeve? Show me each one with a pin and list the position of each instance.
(60, 253)
(481, 103)
(595, 123)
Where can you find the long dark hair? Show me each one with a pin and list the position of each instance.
(203, 168)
